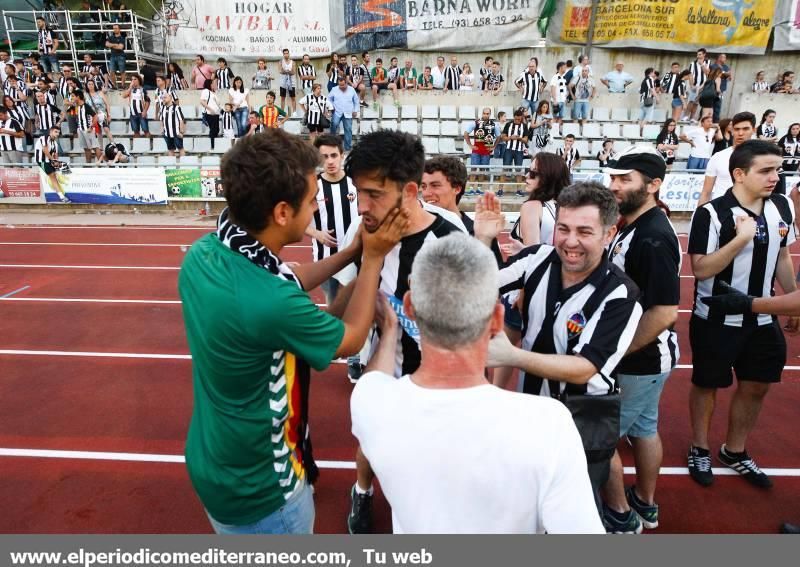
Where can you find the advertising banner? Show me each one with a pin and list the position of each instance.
(20, 185)
(740, 26)
(205, 183)
(681, 191)
(787, 26)
(242, 29)
(442, 25)
(120, 186)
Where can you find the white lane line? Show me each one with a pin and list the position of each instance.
(346, 465)
(16, 291)
(89, 354)
(128, 244)
(61, 267)
(10, 226)
(100, 300)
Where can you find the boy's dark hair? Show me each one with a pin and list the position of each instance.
(487, 58)
(222, 60)
(329, 140)
(590, 193)
(260, 171)
(270, 93)
(559, 65)
(452, 168)
(379, 60)
(684, 73)
(387, 154)
(203, 59)
(745, 153)
(501, 114)
(744, 117)
(519, 112)
(569, 137)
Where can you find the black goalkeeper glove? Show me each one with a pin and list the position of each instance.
(730, 302)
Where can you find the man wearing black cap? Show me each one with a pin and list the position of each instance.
(647, 249)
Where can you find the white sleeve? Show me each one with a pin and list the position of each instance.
(349, 272)
(711, 168)
(567, 505)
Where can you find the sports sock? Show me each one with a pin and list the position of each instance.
(361, 491)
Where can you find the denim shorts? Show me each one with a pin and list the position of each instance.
(296, 516)
(512, 317)
(116, 63)
(677, 102)
(580, 110)
(478, 159)
(639, 411)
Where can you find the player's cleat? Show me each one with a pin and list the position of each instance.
(647, 512)
(359, 520)
(745, 466)
(699, 461)
(625, 523)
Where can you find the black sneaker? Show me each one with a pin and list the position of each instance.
(700, 466)
(499, 193)
(359, 520)
(745, 466)
(354, 371)
(615, 523)
(790, 529)
(647, 512)
(363, 104)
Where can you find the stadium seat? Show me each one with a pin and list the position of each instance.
(659, 115)
(592, 130)
(430, 111)
(368, 112)
(190, 161)
(431, 145)
(189, 111)
(409, 127)
(590, 164)
(631, 132)
(430, 127)
(221, 145)
(390, 111)
(188, 144)
(210, 161)
(447, 112)
(367, 126)
(467, 112)
(620, 114)
(450, 128)
(601, 114)
(409, 111)
(651, 131)
(293, 127)
(194, 128)
(611, 130)
(555, 131)
(118, 127)
(156, 127)
(447, 146)
(167, 160)
(140, 145)
(159, 146)
(202, 145)
(146, 160)
(683, 150)
(77, 160)
(116, 113)
(64, 128)
(583, 147)
(571, 128)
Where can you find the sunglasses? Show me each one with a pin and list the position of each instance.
(532, 174)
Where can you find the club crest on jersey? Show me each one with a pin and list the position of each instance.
(351, 196)
(617, 249)
(575, 325)
(783, 229)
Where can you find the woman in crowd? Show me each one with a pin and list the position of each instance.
(766, 130)
(790, 144)
(333, 70)
(262, 79)
(723, 138)
(177, 81)
(96, 98)
(540, 125)
(210, 104)
(760, 86)
(240, 100)
(467, 79)
(667, 142)
(710, 92)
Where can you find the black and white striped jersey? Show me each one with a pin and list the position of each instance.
(171, 119)
(512, 129)
(337, 206)
(19, 113)
(394, 280)
(306, 71)
(753, 269)
(50, 96)
(316, 106)
(334, 73)
(355, 74)
(570, 156)
(698, 73)
(176, 81)
(46, 41)
(9, 143)
(224, 78)
(532, 85)
(63, 89)
(227, 121)
(162, 93)
(138, 98)
(646, 89)
(791, 152)
(84, 116)
(452, 77)
(45, 142)
(596, 318)
(649, 253)
(766, 130)
(46, 115)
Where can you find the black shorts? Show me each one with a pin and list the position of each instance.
(291, 92)
(757, 354)
(382, 87)
(315, 128)
(174, 143)
(47, 168)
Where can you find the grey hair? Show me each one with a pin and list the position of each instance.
(453, 290)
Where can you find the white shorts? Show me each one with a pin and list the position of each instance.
(88, 140)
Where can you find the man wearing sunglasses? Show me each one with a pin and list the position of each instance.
(742, 237)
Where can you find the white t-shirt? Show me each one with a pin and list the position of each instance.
(718, 167)
(238, 98)
(703, 141)
(561, 93)
(473, 460)
(438, 77)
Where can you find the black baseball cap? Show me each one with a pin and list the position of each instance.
(644, 159)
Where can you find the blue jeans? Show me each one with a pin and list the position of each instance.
(514, 157)
(50, 63)
(241, 115)
(116, 63)
(348, 129)
(638, 416)
(478, 159)
(296, 516)
(139, 122)
(580, 110)
(696, 163)
(529, 104)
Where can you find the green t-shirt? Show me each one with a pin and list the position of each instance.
(245, 326)
(408, 73)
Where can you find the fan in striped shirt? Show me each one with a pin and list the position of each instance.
(46, 114)
(12, 138)
(174, 126)
(531, 84)
(569, 152)
(86, 121)
(307, 75)
(315, 106)
(223, 74)
(49, 90)
(162, 90)
(46, 155)
(139, 105)
(452, 75)
(386, 168)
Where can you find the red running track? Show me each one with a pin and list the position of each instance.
(143, 405)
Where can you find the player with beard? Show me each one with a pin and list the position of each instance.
(386, 167)
(647, 249)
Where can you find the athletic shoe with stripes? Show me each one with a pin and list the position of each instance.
(629, 524)
(700, 466)
(647, 512)
(359, 520)
(743, 464)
